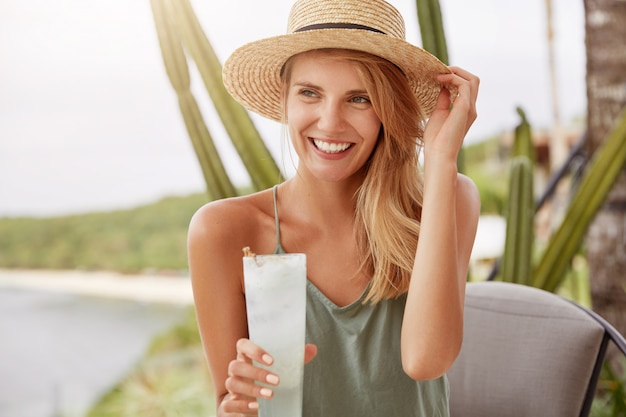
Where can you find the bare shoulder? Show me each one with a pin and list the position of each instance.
(227, 224)
(468, 193)
(220, 215)
(468, 206)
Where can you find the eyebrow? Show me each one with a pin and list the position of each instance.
(306, 84)
(317, 87)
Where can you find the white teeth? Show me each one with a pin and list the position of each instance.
(330, 147)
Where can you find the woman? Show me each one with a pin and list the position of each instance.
(387, 243)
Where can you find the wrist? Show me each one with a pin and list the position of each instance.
(440, 166)
(436, 155)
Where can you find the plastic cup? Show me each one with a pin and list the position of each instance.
(275, 287)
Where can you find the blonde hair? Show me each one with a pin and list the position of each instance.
(389, 202)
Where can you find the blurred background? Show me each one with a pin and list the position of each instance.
(88, 120)
(99, 178)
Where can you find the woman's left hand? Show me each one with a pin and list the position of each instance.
(453, 115)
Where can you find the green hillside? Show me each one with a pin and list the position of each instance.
(147, 237)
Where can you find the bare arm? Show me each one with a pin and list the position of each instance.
(432, 330)
(214, 250)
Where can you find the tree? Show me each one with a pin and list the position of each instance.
(606, 99)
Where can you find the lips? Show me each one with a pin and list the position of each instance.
(331, 147)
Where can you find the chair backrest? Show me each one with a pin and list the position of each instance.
(526, 352)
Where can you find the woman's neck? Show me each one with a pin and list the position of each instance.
(327, 204)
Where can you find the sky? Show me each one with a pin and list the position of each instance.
(89, 121)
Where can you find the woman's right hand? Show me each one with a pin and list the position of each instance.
(244, 379)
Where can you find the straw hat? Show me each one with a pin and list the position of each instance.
(252, 73)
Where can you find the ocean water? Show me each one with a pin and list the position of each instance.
(59, 352)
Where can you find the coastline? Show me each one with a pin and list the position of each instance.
(69, 336)
(150, 288)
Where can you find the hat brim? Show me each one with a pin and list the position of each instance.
(252, 73)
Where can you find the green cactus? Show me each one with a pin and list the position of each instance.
(523, 143)
(516, 261)
(602, 172)
(257, 159)
(215, 176)
(431, 28)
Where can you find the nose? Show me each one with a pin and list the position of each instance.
(330, 116)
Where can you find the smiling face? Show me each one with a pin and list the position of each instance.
(331, 120)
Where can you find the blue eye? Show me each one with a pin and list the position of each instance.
(360, 99)
(308, 93)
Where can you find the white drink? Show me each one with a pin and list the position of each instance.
(276, 307)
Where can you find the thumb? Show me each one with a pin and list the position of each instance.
(310, 351)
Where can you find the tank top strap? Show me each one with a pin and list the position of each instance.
(279, 248)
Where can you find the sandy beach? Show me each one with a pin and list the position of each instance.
(154, 288)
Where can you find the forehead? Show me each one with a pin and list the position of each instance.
(322, 64)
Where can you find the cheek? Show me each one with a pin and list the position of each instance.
(297, 117)
(295, 125)
(370, 126)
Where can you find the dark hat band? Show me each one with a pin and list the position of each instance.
(338, 26)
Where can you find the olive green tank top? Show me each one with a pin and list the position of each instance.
(358, 371)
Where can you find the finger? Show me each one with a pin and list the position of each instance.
(472, 80)
(443, 100)
(457, 84)
(465, 100)
(465, 75)
(245, 370)
(246, 350)
(234, 406)
(243, 388)
(442, 112)
(447, 126)
(459, 76)
(310, 351)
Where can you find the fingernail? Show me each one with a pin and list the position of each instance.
(267, 359)
(272, 379)
(266, 392)
(253, 406)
